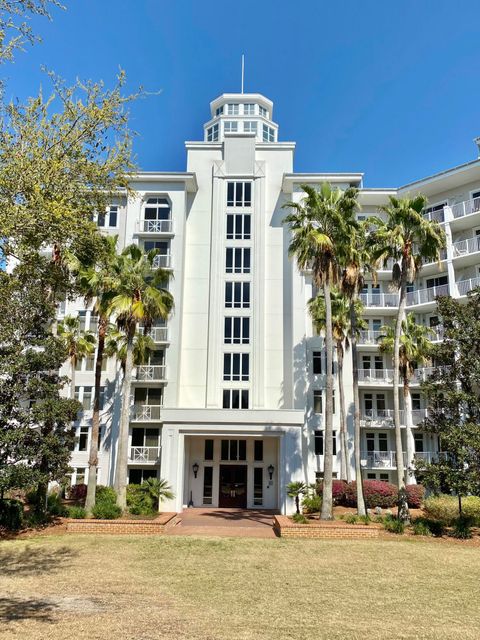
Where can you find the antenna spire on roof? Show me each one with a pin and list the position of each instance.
(243, 70)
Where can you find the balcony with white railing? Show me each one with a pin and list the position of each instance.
(464, 286)
(145, 413)
(379, 459)
(151, 372)
(375, 376)
(369, 337)
(435, 216)
(466, 208)
(379, 299)
(154, 227)
(162, 261)
(384, 418)
(466, 247)
(441, 256)
(143, 455)
(386, 265)
(158, 334)
(421, 375)
(424, 296)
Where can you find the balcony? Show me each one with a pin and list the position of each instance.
(442, 256)
(369, 337)
(387, 265)
(162, 261)
(421, 375)
(383, 418)
(158, 334)
(466, 208)
(424, 296)
(464, 286)
(145, 413)
(151, 372)
(375, 376)
(142, 455)
(154, 227)
(379, 459)
(466, 247)
(379, 299)
(435, 216)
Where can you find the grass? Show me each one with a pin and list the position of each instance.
(148, 588)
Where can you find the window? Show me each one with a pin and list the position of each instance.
(137, 476)
(80, 475)
(148, 396)
(234, 450)
(235, 398)
(268, 134)
(82, 442)
(84, 396)
(258, 486)
(219, 111)
(418, 438)
(82, 320)
(208, 450)
(109, 218)
(236, 366)
(258, 450)
(371, 476)
(437, 282)
(248, 109)
(318, 440)
(207, 485)
(233, 109)
(212, 133)
(230, 126)
(384, 477)
(317, 401)
(239, 194)
(262, 111)
(238, 260)
(157, 215)
(317, 362)
(237, 331)
(238, 226)
(382, 442)
(250, 126)
(237, 295)
(416, 402)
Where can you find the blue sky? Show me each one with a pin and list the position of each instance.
(387, 88)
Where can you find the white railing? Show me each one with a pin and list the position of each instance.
(422, 296)
(144, 454)
(379, 299)
(464, 247)
(426, 456)
(466, 208)
(145, 412)
(375, 375)
(387, 265)
(380, 459)
(369, 337)
(435, 216)
(385, 417)
(464, 286)
(442, 256)
(162, 261)
(421, 374)
(158, 334)
(155, 226)
(148, 372)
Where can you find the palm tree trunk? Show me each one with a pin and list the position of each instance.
(327, 502)
(344, 465)
(73, 373)
(356, 408)
(93, 453)
(402, 496)
(122, 449)
(407, 403)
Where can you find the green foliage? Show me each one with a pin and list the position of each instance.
(55, 506)
(106, 511)
(139, 501)
(444, 508)
(393, 525)
(78, 513)
(420, 527)
(351, 518)
(312, 503)
(11, 514)
(299, 518)
(295, 490)
(462, 528)
(105, 495)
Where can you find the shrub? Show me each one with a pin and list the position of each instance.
(312, 504)
(106, 511)
(444, 508)
(364, 519)
(139, 500)
(77, 512)
(415, 495)
(376, 494)
(351, 519)
(77, 492)
(339, 488)
(420, 527)
(394, 526)
(11, 514)
(462, 527)
(105, 495)
(55, 506)
(299, 518)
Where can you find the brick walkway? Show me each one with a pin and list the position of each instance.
(243, 523)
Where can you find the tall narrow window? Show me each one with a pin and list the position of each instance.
(237, 260)
(208, 449)
(317, 401)
(207, 485)
(235, 398)
(236, 367)
(239, 194)
(239, 226)
(237, 295)
(268, 134)
(258, 450)
(317, 362)
(258, 486)
(318, 441)
(212, 133)
(237, 330)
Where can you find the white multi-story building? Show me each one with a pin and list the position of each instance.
(230, 408)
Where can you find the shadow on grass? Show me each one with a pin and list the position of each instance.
(34, 560)
(13, 609)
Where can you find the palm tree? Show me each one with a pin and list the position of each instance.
(415, 349)
(140, 298)
(341, 328)
(295, 490)
(79, 345)
(116, 345)
(318, 226)
(410, 239)
(95, 279)
(159, 490)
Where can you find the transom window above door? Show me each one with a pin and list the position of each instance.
(234, 450)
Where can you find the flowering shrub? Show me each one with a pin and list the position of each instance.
(77, 492)
(339, 488)
(375, 492)
(415, 495)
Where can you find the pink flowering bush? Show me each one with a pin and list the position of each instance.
(415, 495)
(339, 488)
(376, 493)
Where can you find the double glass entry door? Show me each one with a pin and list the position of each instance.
(233, 486)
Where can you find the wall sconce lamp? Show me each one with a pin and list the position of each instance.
(270, 470)
(195, 468)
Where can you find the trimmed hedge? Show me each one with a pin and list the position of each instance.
(339, 490)
(415, 495)
(376, 493)
(444, 509)
(11, 514)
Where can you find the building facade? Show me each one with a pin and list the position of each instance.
(229, 409)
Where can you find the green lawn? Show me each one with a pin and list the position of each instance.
(117, 588)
